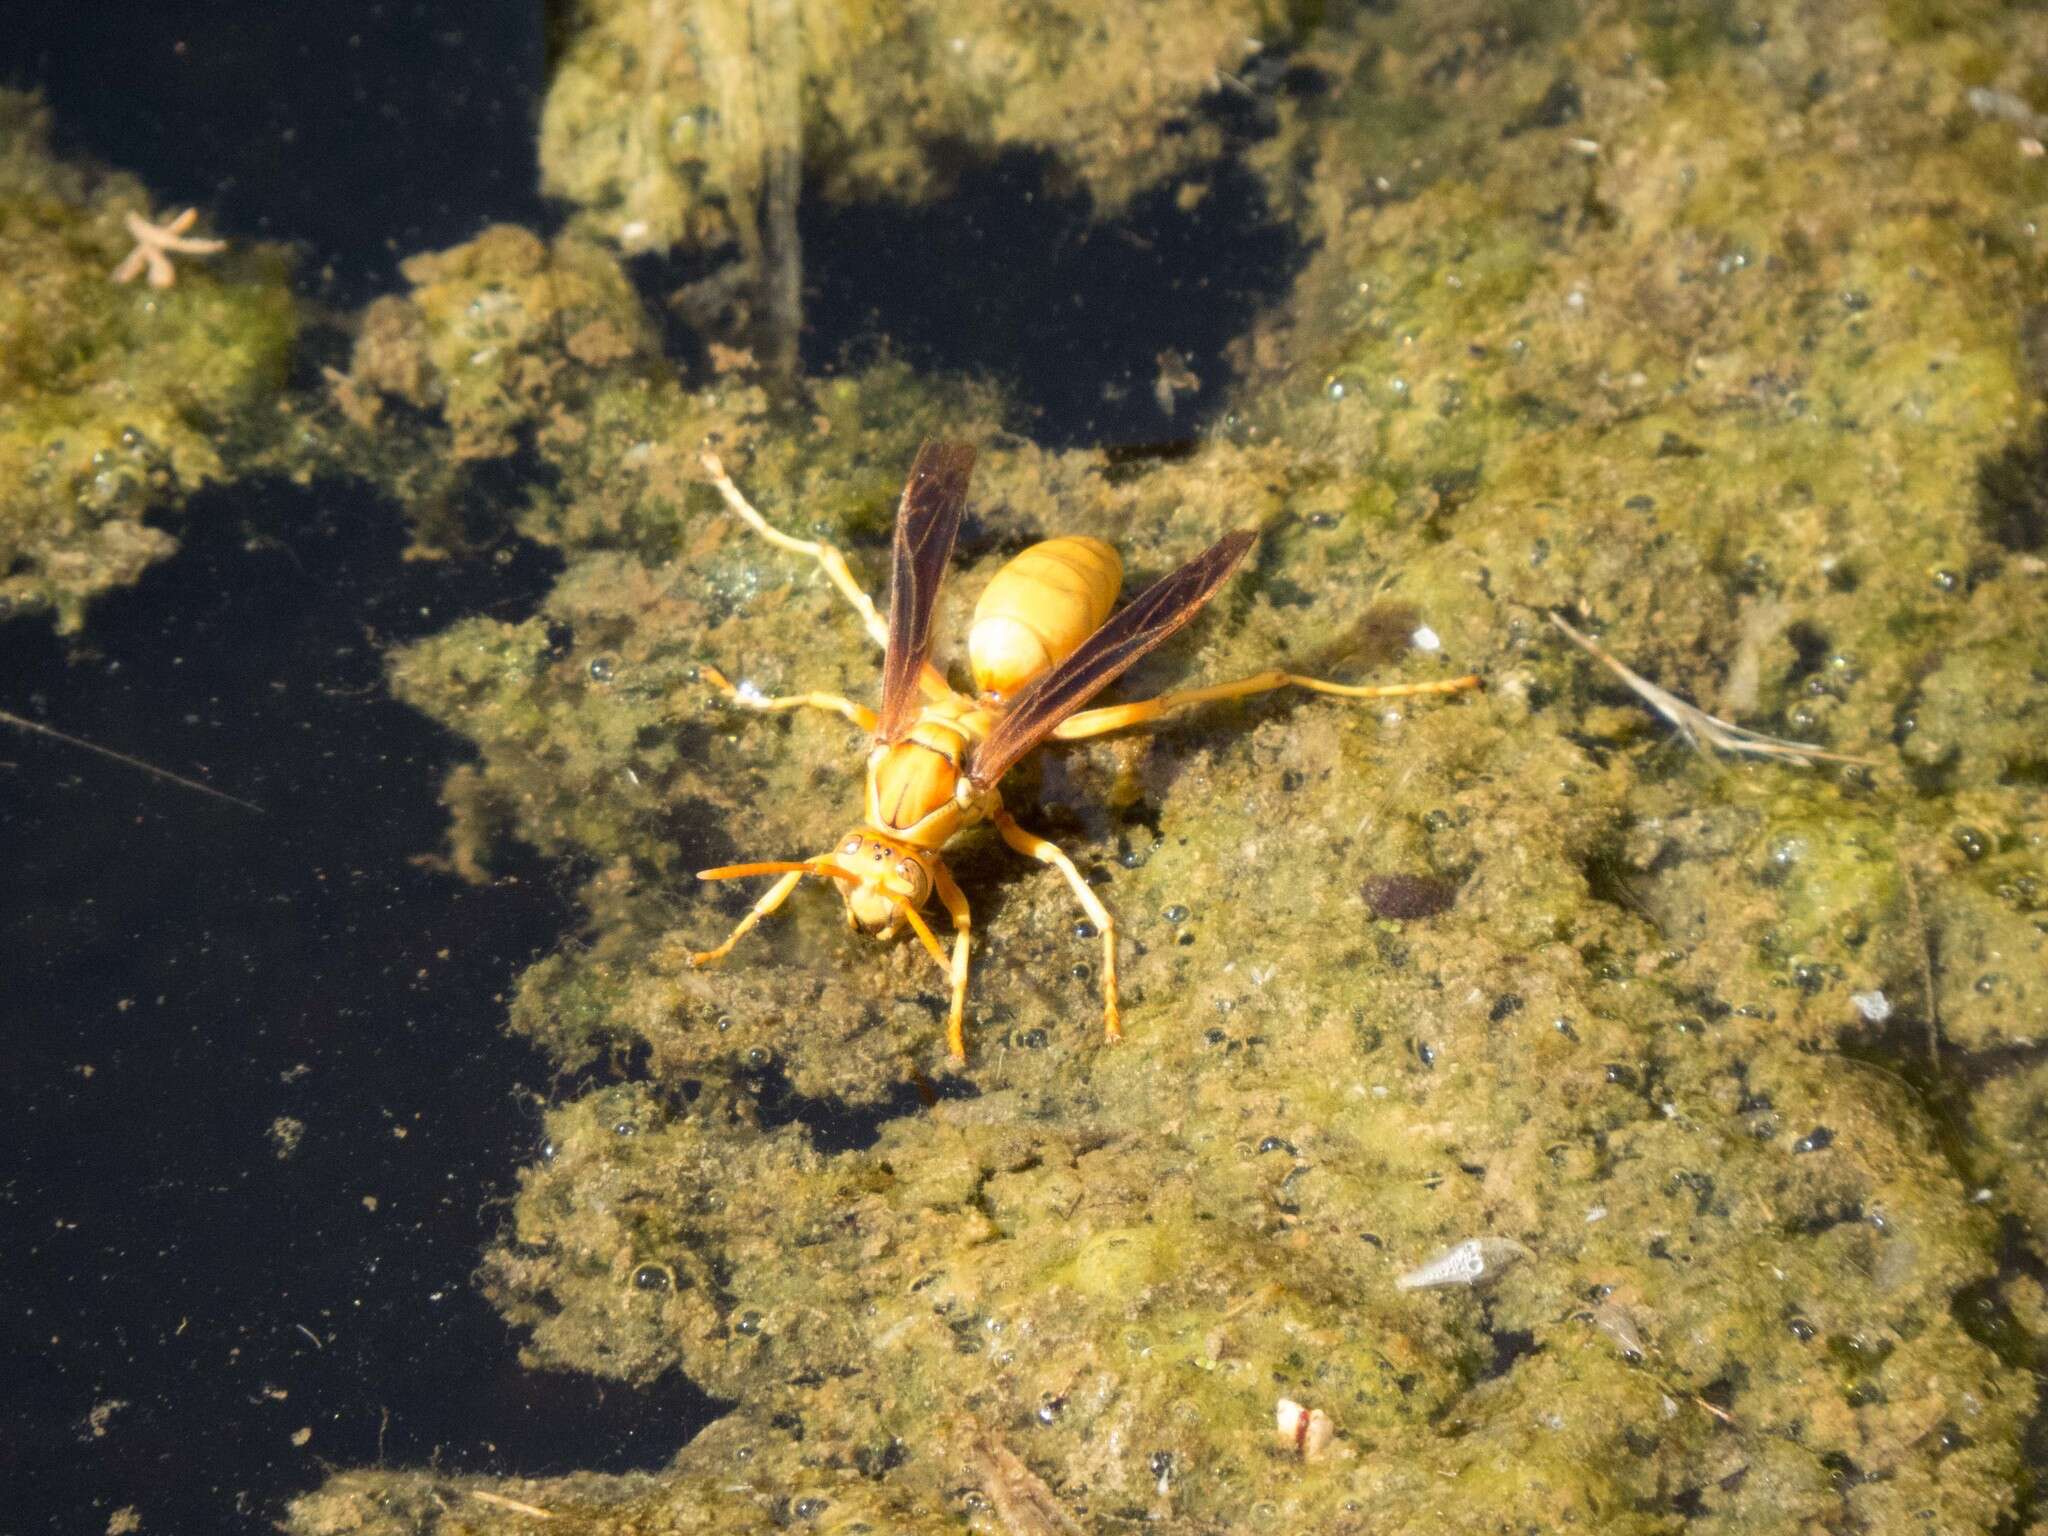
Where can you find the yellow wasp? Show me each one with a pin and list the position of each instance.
(1042, 644)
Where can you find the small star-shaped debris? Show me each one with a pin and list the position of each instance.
(154, 244)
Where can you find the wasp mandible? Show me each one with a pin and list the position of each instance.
(1043, 643)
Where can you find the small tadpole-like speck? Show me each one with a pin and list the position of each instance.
(1504, 1005)
(1322, 519)
(650, 1277)
(749, 1324)
(809, 1509)
(1085, 929)
(1972, 843)
(1162, 1465)
(561, 641)
(1277, 1144)
(1819, 1139)
(1425, 1053)
(1175, 913)
(625, 1128)
(1050, 1410)
(602, 669)
(1946, 580)
(1032, 1040)
(1564, 1027)
(1855, 300)
(1802, 1329)
(1620, 1075)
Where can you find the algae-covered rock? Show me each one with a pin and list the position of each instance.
(1711, 330)
(116, 400)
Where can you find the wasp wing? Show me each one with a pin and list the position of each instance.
(1149, 618)
(926, 524)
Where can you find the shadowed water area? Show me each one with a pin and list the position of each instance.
(1609, 1100)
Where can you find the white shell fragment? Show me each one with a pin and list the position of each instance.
(1874, 1006)
(1426, 639)
(1476, 1261)
(1305, 1431)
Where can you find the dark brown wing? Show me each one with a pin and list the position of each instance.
(1150, 617)
(926, 525)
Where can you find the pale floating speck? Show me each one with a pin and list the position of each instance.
(1305, 1431)
(1874, 1006)
(750, 694)
(1595, 1213)
(1476, 1261)
(1426, 639)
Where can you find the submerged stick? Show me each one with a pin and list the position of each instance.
(1697, 726)
(38, 729)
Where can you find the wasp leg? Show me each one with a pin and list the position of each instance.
(956, 908)
(859, 714)
(778, 893)
(832, 562)
(829, 559)
(1046, 852)
(1114, 717)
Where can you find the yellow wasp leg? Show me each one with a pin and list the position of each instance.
(859, 714)
(956, 908)
(829, 559)
(1114, 717)
(1046, 852)
(778, 893)
(832, 562)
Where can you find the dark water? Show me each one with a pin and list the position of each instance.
(259, 1117)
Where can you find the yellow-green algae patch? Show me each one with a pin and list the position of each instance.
(115, 400)
(660, 118)
(1713, 333)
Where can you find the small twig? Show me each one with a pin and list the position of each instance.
(504, 1503)
(38, 729)
(1697, 726)
(1926, 938)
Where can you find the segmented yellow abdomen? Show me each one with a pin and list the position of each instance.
(1038, 609)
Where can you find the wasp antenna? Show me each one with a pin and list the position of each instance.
(772, 867)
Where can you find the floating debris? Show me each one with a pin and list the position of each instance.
(1305, 1431)
(1408, 896)
(1476, 1261)
(154, 245)
(38, 729)
(1874, 1006)
(1022, 1501)
(1697, 726)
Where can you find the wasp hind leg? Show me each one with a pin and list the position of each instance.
(859, 714)
(1115, 717)
(1047, 852)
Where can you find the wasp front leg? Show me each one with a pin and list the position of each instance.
(860, 715)
(1048, 852)
(955, 902)
(777, 894)
(1116, 717)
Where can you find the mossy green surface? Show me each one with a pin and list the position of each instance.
(1712, 332)
(116, 401)
(658, 120)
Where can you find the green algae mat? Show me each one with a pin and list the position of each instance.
(1525, 1121)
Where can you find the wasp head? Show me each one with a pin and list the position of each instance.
(882, 879)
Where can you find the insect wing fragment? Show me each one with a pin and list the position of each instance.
(927, 522)
(1151, 617)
